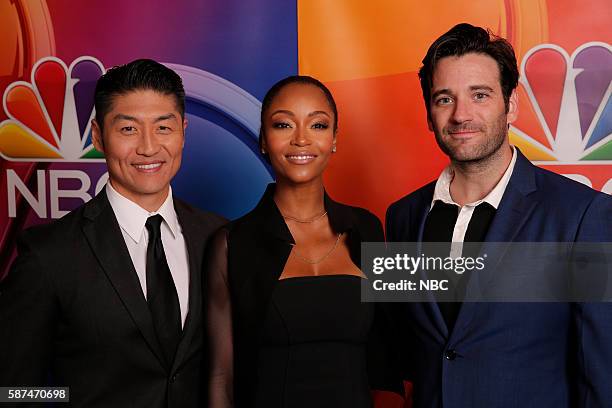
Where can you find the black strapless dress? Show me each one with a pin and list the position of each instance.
(313, 348)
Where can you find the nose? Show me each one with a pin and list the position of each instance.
(463, 111)
(147, 145)
(300, 137)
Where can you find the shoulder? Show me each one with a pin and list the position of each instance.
(193, 215)
(363, 217)
(251, 222)
(549, 188)
(351, 217)
(419, 197)
(55, 233)
(552, 185)
(563, 195)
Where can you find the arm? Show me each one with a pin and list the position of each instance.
(383, 372)
(219, 318)
(593, 320)
(28, 318)
(390, 224)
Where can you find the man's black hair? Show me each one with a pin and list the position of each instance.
(141, 74)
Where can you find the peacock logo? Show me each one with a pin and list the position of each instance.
(50, 118)
(566, 105)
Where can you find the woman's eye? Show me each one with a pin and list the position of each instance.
(281, 125)
(320, 125)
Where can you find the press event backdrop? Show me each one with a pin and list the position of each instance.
(229, 52)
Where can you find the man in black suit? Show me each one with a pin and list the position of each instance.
(107, 300)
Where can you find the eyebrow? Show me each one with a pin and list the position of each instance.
(318, 113)
(121, 116)
(481, 87)
(288, 112)
(165, 117)
(472, 88)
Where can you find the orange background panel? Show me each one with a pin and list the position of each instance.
(349, 39)
(384, 147)
(574, 23)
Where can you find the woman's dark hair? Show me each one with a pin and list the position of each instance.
(465, 39)
(295, 79)
(141, 74)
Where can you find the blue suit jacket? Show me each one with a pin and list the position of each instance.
(512, 354)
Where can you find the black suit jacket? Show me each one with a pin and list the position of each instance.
(72, 311)
(258, 246)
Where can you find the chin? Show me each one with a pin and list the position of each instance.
(302, 179)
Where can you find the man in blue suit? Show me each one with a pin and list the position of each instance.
(497, 354)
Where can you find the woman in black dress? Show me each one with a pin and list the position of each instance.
(287, 327)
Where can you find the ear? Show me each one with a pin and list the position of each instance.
(262, 141)
(184, 127)
(513, 109)
(335, 138)
(96, 136)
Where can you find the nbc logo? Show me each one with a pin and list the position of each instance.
(50, 119)
(565, 119)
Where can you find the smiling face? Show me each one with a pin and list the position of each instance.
(467, 110)
(298, 133)
(142, 142)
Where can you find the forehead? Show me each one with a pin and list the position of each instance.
(464, 71)
(299, 94)
(143, 101)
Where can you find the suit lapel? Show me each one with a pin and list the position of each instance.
(103, 233)
(429, 308)
(193, 240)
(514, 210)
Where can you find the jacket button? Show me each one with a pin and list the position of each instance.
(173, 379)
(450, 354)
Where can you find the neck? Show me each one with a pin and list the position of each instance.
(472, 181)
(149, 202)
(299, 201)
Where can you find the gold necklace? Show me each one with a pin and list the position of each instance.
(316, 261)
(306, 221)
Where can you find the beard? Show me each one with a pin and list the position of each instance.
(494, 138)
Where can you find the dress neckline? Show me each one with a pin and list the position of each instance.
(316, 277)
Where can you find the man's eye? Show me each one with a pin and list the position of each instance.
(128, 129)
(320, 125)
(281, 125)
(481, 95)
(445, 100)
(164, 128)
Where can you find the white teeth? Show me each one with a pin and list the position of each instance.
(301, 157)
(147, 166)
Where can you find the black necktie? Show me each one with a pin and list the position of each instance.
(161, 293)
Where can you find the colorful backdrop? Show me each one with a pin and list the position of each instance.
(229, 52)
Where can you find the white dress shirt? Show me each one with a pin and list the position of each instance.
(442, 193)
(132, 218)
